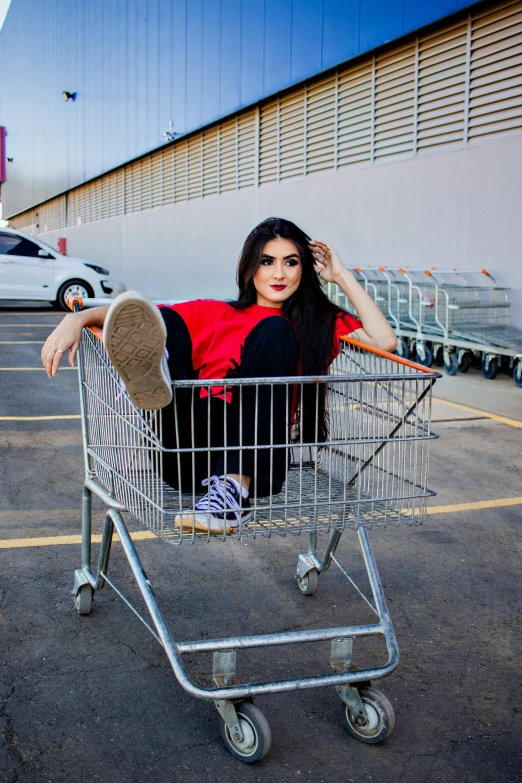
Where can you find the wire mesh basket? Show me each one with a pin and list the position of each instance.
(370, 470)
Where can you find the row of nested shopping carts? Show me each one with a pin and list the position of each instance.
(454, 318)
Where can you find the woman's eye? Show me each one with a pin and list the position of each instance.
(292, 262)
(266, 262)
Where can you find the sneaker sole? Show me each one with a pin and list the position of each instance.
(134, 335)
(200, 524)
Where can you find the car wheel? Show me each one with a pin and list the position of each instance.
(72, 288)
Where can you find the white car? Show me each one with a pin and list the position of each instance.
(30, 269)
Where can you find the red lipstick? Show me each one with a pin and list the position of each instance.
(278, 287)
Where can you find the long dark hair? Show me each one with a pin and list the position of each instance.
(309, 310)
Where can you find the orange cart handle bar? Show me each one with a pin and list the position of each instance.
(76, 303)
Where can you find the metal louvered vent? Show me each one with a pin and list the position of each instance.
(51, 215)
(457, 84)
(269, 142)
(246, 149)
(394, 102)
(441, 87)
(210, 144)
(321, 105)
(495, 101)
(195, 167)
(228, 156)
(355, 115)
(180, 171)
(23, 220)
(292, 134)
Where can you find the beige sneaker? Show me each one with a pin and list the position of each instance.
(134, 335)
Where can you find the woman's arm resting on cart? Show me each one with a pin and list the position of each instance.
(376, 330)
(67, 336)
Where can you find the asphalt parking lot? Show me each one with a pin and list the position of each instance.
(92, 698)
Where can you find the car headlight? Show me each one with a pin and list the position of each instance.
(99, 269)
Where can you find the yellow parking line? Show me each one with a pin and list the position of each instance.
(478, 504)
(49, 326)
(144, 535)
(18, 543)
(485, 414)
(21, 342)
(33, 368)
(38, 418)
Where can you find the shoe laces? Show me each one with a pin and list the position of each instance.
(222, 493)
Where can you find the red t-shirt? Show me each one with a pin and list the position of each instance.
(218, 332)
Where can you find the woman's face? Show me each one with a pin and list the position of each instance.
(278, 274)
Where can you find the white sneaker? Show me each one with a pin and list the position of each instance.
(221, 510)
(134, 335)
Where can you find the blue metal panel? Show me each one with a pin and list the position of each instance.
(277, 44)
(418, 14)
(381, 20)
(137, 64)
(229, 81)
(165, 102)
(252, 52)
(211, 59)
(179, 85)
(194, 62)
(306, 43)
(340, 30)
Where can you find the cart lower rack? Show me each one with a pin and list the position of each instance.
(371, 469)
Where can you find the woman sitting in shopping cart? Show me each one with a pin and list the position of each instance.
(281, 325)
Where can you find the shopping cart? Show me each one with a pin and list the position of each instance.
(372, 470)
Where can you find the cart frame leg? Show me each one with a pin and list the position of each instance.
(306, 562)
(237, 691)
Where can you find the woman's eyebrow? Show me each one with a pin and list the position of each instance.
(292, 255)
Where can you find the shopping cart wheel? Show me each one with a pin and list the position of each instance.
(438, 356)
(308, 583)
(517, 374)
(451, 363)
(257, 736)
(379, 714)
(402, 349)
(423, 355)
(489, 369)
(83, 599)
(465, 362)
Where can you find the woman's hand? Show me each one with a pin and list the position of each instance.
(328, 265)
(66, 336)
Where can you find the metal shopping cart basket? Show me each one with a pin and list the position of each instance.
(372, 470)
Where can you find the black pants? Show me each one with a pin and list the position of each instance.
(253, 417)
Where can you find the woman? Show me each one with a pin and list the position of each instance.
(282, 324)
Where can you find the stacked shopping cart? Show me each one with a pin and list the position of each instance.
(446, 317)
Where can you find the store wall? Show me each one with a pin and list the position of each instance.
(454, 209)
(137, 65)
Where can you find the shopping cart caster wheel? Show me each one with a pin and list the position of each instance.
(380, 717)
(424, 356)
(257, 737)
(489, 369)
(451, 363)
(308, 583)
(83, 600)
(402, 349)
(465, 363)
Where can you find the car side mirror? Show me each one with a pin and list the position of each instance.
(44, 254)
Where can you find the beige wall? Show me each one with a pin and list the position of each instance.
(459, 209)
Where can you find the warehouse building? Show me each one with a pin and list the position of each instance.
(391, 128)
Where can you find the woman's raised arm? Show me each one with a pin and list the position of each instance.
(376, 330)
(67, 336)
